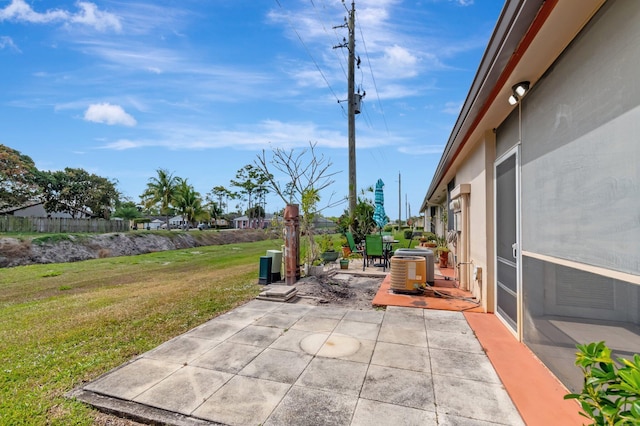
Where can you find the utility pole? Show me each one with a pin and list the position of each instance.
(351, 100)
(351, 87)
(399, 201)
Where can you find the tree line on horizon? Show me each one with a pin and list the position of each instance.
(78, 192)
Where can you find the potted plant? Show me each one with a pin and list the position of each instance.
(431, 240)
(443, 254)
(346, 250)
(327, 251)
(344, 263)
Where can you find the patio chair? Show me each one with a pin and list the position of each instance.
(352, 244)
(373, 249)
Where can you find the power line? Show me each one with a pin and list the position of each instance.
(309, 53)
(321, 19)
(366, 52)
(373, 78)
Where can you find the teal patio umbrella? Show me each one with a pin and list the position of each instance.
(379, 216)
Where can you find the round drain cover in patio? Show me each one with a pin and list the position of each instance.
(336, 346)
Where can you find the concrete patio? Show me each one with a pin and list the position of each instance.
(269, 363)
(279, 363)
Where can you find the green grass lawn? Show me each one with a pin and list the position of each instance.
(65, 324)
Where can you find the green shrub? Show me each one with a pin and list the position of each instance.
(611, 394)
(325, 242)
(51, 239)
(408, 233)
(430, 236)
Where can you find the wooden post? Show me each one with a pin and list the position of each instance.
(292, 243)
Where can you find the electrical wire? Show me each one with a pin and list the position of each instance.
(449, 296)
(310, 55)
(338, 40)
(373, 78)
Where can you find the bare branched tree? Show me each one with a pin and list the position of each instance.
(307, 174)
(302, 173)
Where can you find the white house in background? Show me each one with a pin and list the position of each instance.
(243, 222)
(177, 222)
(540, 178)
(155, 224)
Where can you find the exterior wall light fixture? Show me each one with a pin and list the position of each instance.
(518, 92)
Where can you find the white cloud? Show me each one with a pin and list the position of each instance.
(274, 133)
(91, 16)
(452, 108)
(421, 149)
(401, 60)
(7, 42)
(20, 11)
(122, 145)
(463, 2)
(109, 114)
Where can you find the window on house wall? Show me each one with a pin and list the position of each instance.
(433, 211)
(450, 187)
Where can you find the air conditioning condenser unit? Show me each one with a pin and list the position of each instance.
(408, 274)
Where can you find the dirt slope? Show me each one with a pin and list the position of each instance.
(71, 248)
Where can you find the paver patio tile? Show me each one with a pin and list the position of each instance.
(300, 341)
(184, 390)
(369, 413)
(256, 336)
(227, 357)
(407, 357)
(357, 329)
(242, 401)
(334, 375)
(181, 349)
(311, 407)
(465, 342)
(132, 379)
(466, 365)
(402, 387)
(316, 324)
(482, 400)
(277, 365)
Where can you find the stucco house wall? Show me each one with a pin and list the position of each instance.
(577, 132)
(580, 186)
(473, 172)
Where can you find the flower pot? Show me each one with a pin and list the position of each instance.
(444, 260)
(329, 256)
(344, 263)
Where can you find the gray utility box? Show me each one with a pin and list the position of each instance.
(424, 252)
(276, 263)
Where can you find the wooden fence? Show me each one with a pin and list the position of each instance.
(57, 225)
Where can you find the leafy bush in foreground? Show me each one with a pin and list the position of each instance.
(611, 394)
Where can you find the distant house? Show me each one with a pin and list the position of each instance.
(36, 209)
(221, 223)
(177, 222)
(243, 222)
(539, 179)
(323, 225)
(155, 224)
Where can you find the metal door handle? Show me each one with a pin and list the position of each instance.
(514, 250)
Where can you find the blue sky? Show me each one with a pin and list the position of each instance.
(200, 87)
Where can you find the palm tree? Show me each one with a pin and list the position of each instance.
(161, 190)
(187, 201)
